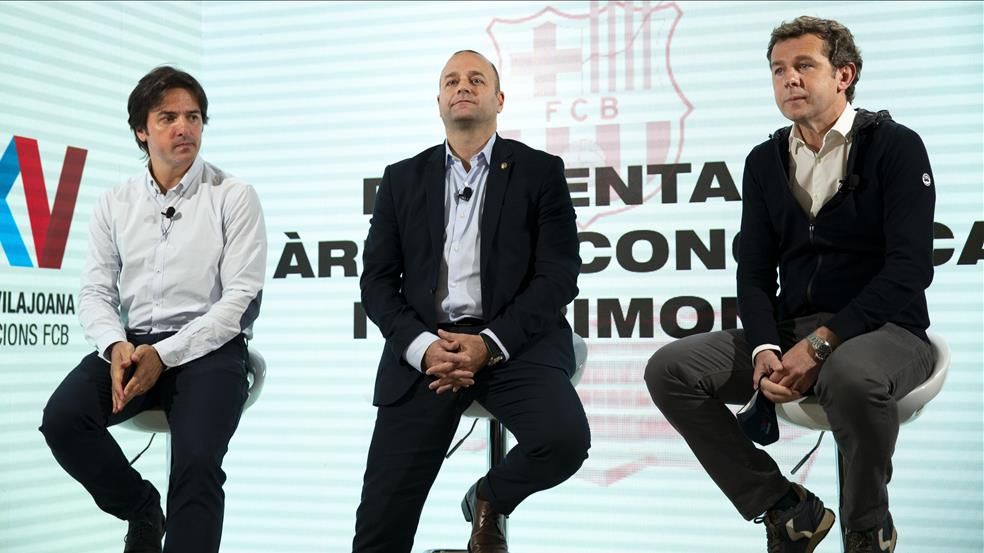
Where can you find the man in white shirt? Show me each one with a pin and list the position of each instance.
(174, 276)
(835, 257)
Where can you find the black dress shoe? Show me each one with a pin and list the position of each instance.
(145, 531)
(487, 524)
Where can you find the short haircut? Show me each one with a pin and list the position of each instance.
(838, 41)
(495, 71)
(149, 94)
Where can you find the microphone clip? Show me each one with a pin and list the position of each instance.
(850, 183)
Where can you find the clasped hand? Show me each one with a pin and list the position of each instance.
(786, 379)
(133, 370)
(453, 360)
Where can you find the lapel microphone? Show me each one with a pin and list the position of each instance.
(169, 215)
(851, 182)
(465, 194)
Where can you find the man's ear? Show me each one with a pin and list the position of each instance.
(846, 76)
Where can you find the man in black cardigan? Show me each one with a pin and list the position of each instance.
(841, 203)
(471, 258)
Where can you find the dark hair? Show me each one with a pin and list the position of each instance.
(479, 54)
(838, 42)
(150, 91)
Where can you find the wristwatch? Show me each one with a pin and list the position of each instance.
(495, 354)
(821, 348)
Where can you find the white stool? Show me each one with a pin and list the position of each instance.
(154, 420)
(497, 432)
(808, 413)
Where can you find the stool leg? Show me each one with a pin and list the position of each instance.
(497, 443)
(841, 470)
(497, 453)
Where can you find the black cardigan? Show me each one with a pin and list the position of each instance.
(868, 255)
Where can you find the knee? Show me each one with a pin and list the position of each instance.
(566, 448)
(59, 424)
(847, 383)
(662, 373)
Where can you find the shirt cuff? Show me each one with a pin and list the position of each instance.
(498, 342)
(106, 340)
(168, 353)
(417, 348)
(764, 347)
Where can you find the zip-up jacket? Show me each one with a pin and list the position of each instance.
(867, 257)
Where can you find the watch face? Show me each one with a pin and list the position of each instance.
(821, 349)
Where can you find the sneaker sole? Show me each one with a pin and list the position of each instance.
(826, 523)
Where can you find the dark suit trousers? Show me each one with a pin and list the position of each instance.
(535, 402)
(203, 400)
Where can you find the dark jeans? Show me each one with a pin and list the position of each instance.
(692, 379)
(536, 403)
(203, 400)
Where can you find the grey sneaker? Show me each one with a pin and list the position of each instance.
(800, 528)
(880, 539)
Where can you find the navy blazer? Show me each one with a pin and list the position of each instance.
(529, 258)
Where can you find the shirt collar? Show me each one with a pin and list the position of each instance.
(484, 155)
(842, 128)
(188, 181)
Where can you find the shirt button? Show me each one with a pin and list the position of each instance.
(454, 285)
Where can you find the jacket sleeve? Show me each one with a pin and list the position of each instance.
(382, 274)
(556, 264)
(909, 198)
(758, 257)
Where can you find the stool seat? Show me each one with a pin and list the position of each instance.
(808, 413)
(153, 420)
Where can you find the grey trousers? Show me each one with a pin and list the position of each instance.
(692, 379)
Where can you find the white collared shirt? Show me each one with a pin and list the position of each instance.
(199, 273)
(814, 177)
(459, 287)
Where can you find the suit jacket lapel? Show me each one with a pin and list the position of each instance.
(500, 169)
(433, 182)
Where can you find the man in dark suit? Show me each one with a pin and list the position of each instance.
(471, 258)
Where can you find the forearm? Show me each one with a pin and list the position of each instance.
(100, 320)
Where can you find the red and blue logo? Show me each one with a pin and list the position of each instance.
(49, 227)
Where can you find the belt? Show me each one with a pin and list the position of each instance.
(463, 323)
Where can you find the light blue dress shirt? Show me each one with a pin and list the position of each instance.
(459, 287)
